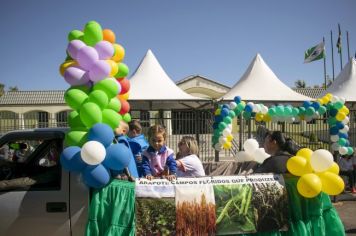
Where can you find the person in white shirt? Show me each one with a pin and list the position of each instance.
(346, 164)
(188, 162)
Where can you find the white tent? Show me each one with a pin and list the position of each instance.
(345, 83)
(259, 83)
(152, 85)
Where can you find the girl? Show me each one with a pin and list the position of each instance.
(188, 162)
(158, 160)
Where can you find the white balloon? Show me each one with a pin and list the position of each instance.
(250, 145)
(321, 160)
(229, 126)
(343, 150)
(260, 155)
(93, 152)
(222, 140)
(264, 109)
(243, 156)
(345, 129)
(256, 108)
(334, 138)
(232, 105)
(346, 120)
(217, 147)
(334, 99)
(226, 132)
(342, 100)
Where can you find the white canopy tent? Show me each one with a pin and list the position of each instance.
(259, 83)
(345, 83)
(152, 87)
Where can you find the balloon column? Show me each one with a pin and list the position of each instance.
(98, 96)
(309, 110)
(318, 172)
(338, 122)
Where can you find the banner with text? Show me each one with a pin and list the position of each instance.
(218, 205)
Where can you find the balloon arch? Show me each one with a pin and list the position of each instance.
(317, 169)
(335, 106)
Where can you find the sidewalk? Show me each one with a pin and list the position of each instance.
(345, 205)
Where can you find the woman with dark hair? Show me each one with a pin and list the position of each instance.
(281, 149)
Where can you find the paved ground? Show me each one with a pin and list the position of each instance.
(345, 205)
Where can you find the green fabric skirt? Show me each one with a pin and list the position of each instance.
(112, 210)
(309, 216)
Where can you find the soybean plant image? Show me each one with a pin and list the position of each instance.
(271, 206)
(155, 216)
(234, 209)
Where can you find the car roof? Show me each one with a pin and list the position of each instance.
(39, 133)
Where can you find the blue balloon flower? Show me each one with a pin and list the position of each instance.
(71, 159)
(102, 133)
(96, 176)
(117, 156)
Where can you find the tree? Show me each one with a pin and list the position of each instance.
(2, 89)
(13, 89)
(300, 84)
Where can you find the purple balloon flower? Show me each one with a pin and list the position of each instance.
(99, 71)
(104, 49)
(86, 57)
(74, 46)
(75, 76)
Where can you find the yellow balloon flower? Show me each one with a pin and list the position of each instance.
(334, 168)
(345, 110)
(340, 116)
(309, 185)
(305, 152)
(227, 145)
(298, 166)
(332, 184)
(229, 137)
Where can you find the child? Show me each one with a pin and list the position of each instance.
(129, 172)
(121, 130)
(188, 162)
(138, 143)
(158, 159)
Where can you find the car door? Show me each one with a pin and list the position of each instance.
(34, 189)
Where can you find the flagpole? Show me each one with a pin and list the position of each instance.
(348, 46)
(324, 66)
(332, 53)
(340, 46)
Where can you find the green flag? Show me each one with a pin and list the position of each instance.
(338, 44)
(314, 53)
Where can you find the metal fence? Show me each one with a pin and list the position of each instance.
(197, 123)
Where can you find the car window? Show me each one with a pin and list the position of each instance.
(31, 164)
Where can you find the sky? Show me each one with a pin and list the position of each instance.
(216, 39)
